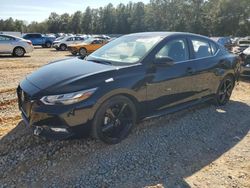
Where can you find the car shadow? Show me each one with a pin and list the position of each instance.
(14, 57)
(162, 151)
(245, 79)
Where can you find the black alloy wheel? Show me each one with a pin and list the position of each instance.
(225, 90)
(114, 120)
(82, 52)
(48, 45)
(63, 47)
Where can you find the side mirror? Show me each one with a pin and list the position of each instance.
(164, 61)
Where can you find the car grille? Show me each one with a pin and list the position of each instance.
(24, 102)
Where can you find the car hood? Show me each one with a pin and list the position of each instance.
(247, 51)
(61, 73)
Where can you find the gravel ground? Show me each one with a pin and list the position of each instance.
(204, 146)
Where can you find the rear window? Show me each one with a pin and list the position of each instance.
(201, 48)
(214, 48)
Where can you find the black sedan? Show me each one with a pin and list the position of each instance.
(134, 77)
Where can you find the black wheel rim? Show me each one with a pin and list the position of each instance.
(117, 121)
(225, 91)
(82, 52)
(63, 47)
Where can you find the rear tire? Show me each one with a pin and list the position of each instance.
(48, 44)
(114, 120)
(63, 47)
(82, 52)
(18, 52)
(74, 53)
(224, 91)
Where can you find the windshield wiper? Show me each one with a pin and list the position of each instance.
(100, 61)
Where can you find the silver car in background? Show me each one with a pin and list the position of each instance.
(14, 45)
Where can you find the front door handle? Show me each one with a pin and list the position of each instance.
(190, 70)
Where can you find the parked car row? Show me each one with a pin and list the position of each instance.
(79, 44)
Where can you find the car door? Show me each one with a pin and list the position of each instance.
(38, 39)
(95, 45)
(78, 40)
(70, 40)
(6, 44)
(172, 84)
(204, 56)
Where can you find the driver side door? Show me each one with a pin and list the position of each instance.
(170, 85)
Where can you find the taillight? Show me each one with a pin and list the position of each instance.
(30, 43)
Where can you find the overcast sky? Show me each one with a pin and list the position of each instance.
(39, 10)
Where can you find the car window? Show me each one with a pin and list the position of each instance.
(36, 36)
(70, 39)
(175, 49)
(6, 38)
(79, 38)
(201, 48)
(214, 48)
(97, 42)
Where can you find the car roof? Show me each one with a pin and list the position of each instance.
(167, 34)
(10, 36)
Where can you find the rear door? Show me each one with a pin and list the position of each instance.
(38, 39)
(70, 40)
(78, 40)
(6, 44)
(204, 57)
(95, 45)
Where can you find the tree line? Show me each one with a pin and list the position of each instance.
(207, 17)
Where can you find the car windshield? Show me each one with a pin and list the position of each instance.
(89, 40)
(244, 42)
(60, 38)
(126, 49)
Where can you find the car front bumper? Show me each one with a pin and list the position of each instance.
(245, 71)
(245, 67)
(55, 45)
(55, 122)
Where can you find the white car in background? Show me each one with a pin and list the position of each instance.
(14, 45)
(62, 43)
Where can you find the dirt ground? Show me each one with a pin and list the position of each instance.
(200, 147)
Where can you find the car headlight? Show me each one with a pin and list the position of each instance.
(69, 98)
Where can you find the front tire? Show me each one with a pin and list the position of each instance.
(18, 52)
(224, 91)
(74, 53)
(63, 47)
(114, 120)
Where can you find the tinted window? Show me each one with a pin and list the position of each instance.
(79, 38)
(214, 48)
(97, 42)
(175, 49)
(37, 36)
(70, 39)
(6, 38)
(201, 48)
